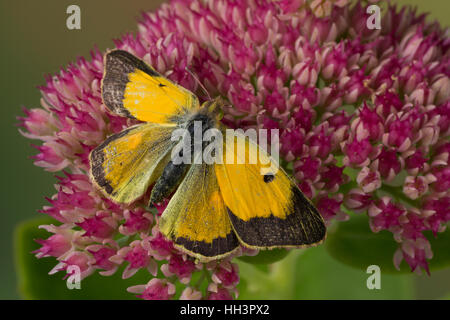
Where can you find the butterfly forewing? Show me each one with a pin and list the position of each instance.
(133, 89)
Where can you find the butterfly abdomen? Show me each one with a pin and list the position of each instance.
(171, 177)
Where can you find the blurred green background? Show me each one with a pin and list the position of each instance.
(35, 42)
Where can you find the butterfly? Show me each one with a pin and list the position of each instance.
(215, 208)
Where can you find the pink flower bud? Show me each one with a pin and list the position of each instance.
(368, 180)
(414, 187)
(329, 207)
(155, 289)
(55, 246)
(220, 294)
(384, 214)
(357, 200)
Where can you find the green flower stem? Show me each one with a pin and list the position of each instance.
(205, 275)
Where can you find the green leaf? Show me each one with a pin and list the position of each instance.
(265, 284)
(354, 244)
(312, 274)
(266, 256)
(35, 283)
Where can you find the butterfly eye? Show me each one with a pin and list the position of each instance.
(268, 177)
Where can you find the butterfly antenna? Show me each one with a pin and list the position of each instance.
(198, 81)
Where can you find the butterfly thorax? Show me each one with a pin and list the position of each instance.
(194, 127)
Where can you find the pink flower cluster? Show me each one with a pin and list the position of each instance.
(366, 111)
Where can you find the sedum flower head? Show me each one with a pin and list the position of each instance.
(365, 111)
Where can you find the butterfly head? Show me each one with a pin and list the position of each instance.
(214, 107)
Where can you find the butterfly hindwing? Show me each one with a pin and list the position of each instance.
(126, 163)
(196, 218)
(135, 90)
(266, 209)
